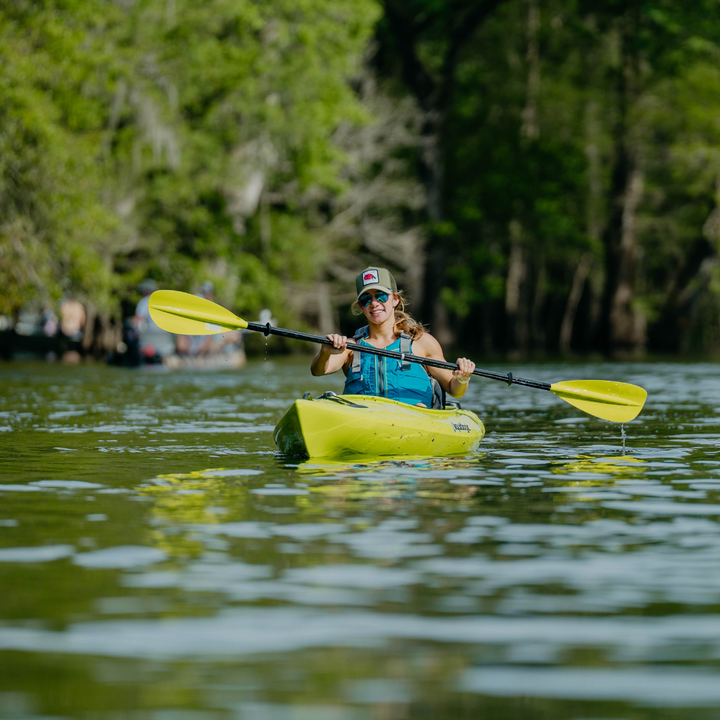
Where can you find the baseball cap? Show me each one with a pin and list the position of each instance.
(374, 278)
(148, 286)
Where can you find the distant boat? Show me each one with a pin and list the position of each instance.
(222, 360)
(30, 338)
(148, 346)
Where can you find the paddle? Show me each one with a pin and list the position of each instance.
(185, 314)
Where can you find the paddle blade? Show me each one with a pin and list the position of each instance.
(614, 401)
(185, 314)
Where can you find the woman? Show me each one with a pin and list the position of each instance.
(389, 327)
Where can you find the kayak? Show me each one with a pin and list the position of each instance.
(334, 426)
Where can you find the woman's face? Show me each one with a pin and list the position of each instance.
(377, 310)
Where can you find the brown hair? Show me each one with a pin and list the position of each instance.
(404, 322)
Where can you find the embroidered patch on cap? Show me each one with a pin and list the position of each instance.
(369, 277)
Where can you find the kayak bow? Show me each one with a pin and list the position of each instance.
(336, 426)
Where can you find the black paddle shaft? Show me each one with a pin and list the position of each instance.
(508, 378)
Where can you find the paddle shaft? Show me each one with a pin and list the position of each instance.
(507, 378)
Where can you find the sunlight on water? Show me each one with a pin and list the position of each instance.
(152, 538)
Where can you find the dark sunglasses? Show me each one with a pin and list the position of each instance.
(366, 298)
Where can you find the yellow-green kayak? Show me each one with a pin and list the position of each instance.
(343, 425)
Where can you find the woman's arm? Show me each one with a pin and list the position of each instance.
(331, 358)
(454, 382)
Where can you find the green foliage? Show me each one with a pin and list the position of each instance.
(540, 123)
(54, 226)
(139, 139)
(276, 147)
(235, 102)
(497, 177)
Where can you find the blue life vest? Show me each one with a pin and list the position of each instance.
(386, 377)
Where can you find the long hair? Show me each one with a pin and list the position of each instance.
(404, 322)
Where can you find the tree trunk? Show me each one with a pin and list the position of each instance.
(515, 304)
(326, 320)
(623, 326)
(111, 334)
(265, 229)
(434, 93)
(593, 130)
(579, 277)
(432, 157)
(536, 312)
(88, 338)
(530, 129)
(627, 325)
(435, 269)
(594, 218)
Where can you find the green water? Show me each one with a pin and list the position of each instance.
(159, 559)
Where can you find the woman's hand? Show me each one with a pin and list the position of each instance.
(339, 344)
(464, 370)
(330, 358)
(453, 382)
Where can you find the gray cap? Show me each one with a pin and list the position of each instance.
(147, 286)
(374, 278)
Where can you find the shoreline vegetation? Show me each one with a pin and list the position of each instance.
(542, 178)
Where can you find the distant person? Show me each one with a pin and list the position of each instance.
(266, 317)
(72, 319)
(205, 344)
(153, 342)
(50, 322)
(209, 344)
(142, 311)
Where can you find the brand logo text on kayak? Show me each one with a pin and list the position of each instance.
(459, 427)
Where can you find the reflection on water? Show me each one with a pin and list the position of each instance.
(152, 539)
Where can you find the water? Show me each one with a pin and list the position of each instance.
(159, 560)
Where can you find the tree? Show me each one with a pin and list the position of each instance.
(172, 139)
(653, 43)
(54, 227)
(421, 43)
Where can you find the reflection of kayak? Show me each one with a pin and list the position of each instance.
(342, 425)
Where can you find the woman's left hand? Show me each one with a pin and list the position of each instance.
(464, 370)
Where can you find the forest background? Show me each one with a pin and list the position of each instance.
(543, 176)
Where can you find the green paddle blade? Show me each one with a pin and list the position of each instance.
(614, 401)
(185, 314)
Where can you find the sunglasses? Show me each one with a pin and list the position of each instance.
(366, 298)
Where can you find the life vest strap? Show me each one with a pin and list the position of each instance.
(404, 350)
(363, 332)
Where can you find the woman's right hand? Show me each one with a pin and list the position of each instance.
(339, 344)
(327, 361)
